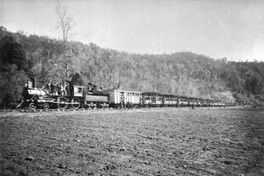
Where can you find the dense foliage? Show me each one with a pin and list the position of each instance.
(26, 57)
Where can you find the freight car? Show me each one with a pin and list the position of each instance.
(124, 98)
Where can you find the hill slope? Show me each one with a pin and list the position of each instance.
(184, 73)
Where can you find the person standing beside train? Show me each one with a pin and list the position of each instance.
(25, 91)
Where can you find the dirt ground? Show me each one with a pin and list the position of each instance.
(167, 141)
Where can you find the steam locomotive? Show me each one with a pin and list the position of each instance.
(83, 97)
(77, 97)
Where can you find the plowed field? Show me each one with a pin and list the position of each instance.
(167, 141)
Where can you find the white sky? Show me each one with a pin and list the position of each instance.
(216, 28)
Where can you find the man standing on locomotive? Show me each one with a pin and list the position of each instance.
(25, 91)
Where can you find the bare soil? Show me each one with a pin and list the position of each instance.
(166, 141)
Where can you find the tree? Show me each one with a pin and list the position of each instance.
(11, 85)
(12, 65)
(11, 52)
(253, 82)
(65, 24)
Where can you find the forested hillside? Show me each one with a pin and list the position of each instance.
(25, 57)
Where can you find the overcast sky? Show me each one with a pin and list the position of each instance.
(216, 28)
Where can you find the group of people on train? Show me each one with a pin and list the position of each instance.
(62, 89)
(58, 88)
(65, 88)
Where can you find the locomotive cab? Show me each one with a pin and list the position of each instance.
(78, 91)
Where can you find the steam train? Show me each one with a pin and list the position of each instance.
(83, 97)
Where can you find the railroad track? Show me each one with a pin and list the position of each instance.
(52, 110)
(87, 109)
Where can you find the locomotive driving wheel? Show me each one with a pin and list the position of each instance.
(46, 106)
(61, 102)
(75, 103)
(32, 106)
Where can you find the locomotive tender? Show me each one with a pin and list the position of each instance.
(82, 97)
